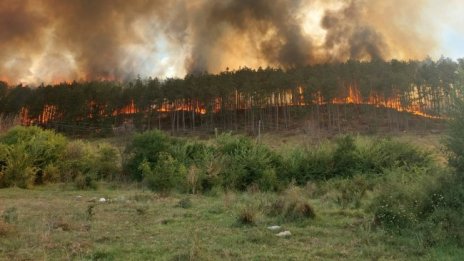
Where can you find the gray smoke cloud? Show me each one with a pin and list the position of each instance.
(54, 40)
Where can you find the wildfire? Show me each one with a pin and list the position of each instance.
(242, 102)
(354, 97)
(198, 108)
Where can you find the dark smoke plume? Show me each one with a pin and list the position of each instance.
(55, 40)
(349, 37)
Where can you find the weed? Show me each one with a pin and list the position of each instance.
(141, 209)
(185, 203)
(247, 216)
(292, 206)
(10, 215)
(90, 212)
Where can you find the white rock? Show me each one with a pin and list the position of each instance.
(284, 234)
(102, 200)
(273, 228)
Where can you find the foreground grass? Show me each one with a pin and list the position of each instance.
(56, 224)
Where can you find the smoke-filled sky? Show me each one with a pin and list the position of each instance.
(63, 40)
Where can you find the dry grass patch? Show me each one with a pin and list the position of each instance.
(292, 205)
(6, 229)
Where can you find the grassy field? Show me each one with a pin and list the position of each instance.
(56, 223)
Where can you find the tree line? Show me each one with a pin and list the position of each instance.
(245, 99)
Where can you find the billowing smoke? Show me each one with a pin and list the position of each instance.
(56, 40)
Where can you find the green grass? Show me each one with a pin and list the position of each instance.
(54, 224)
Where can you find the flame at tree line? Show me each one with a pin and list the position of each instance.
(240, 99)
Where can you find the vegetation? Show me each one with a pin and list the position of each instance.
(335, 197)
(248, 100)
(30, 156)
(431, 205)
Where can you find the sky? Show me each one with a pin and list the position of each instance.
(447, 17)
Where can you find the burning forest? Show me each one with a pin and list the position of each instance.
(104, 63)
(329, 96)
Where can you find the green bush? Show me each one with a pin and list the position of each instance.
(246, 164)
(347, 157)
(398, 201)
(443, 209)
(147, 147)
(166, 175)
(428, 202)
(41, 148)
(430, 205)
(349, 192)
(84, 163)
(455, 137)
(107, 162)
(19, 170)
(85, 181)
(380, 154)
(51, 174)
(303, 165)
(76, 160)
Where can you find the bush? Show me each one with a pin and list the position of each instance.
(303, 165)
(428, 204)
(247, 164)
(19, 170)
(380, 154)
(443, 209)
(40, 148)
(51, 174)
(349, 192)
(147, 147)
(168, 174)
(347, 157)
(107, 162)
(397, 205)
(84, 163)
(85, 181)
(432, 206)
(455, 137)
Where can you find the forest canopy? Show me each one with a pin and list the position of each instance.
(243, 96)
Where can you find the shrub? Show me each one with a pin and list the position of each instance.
(168, 174)
(349, 192)
(345, 158)
(40, 148)
(443, 209)
(247, 164)
(303, 165)
(107, 162)
(51, 173)
(84, 163)
(147, 147)
(18, 170)
(85, 181)
(454, 140)
(380, 154)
